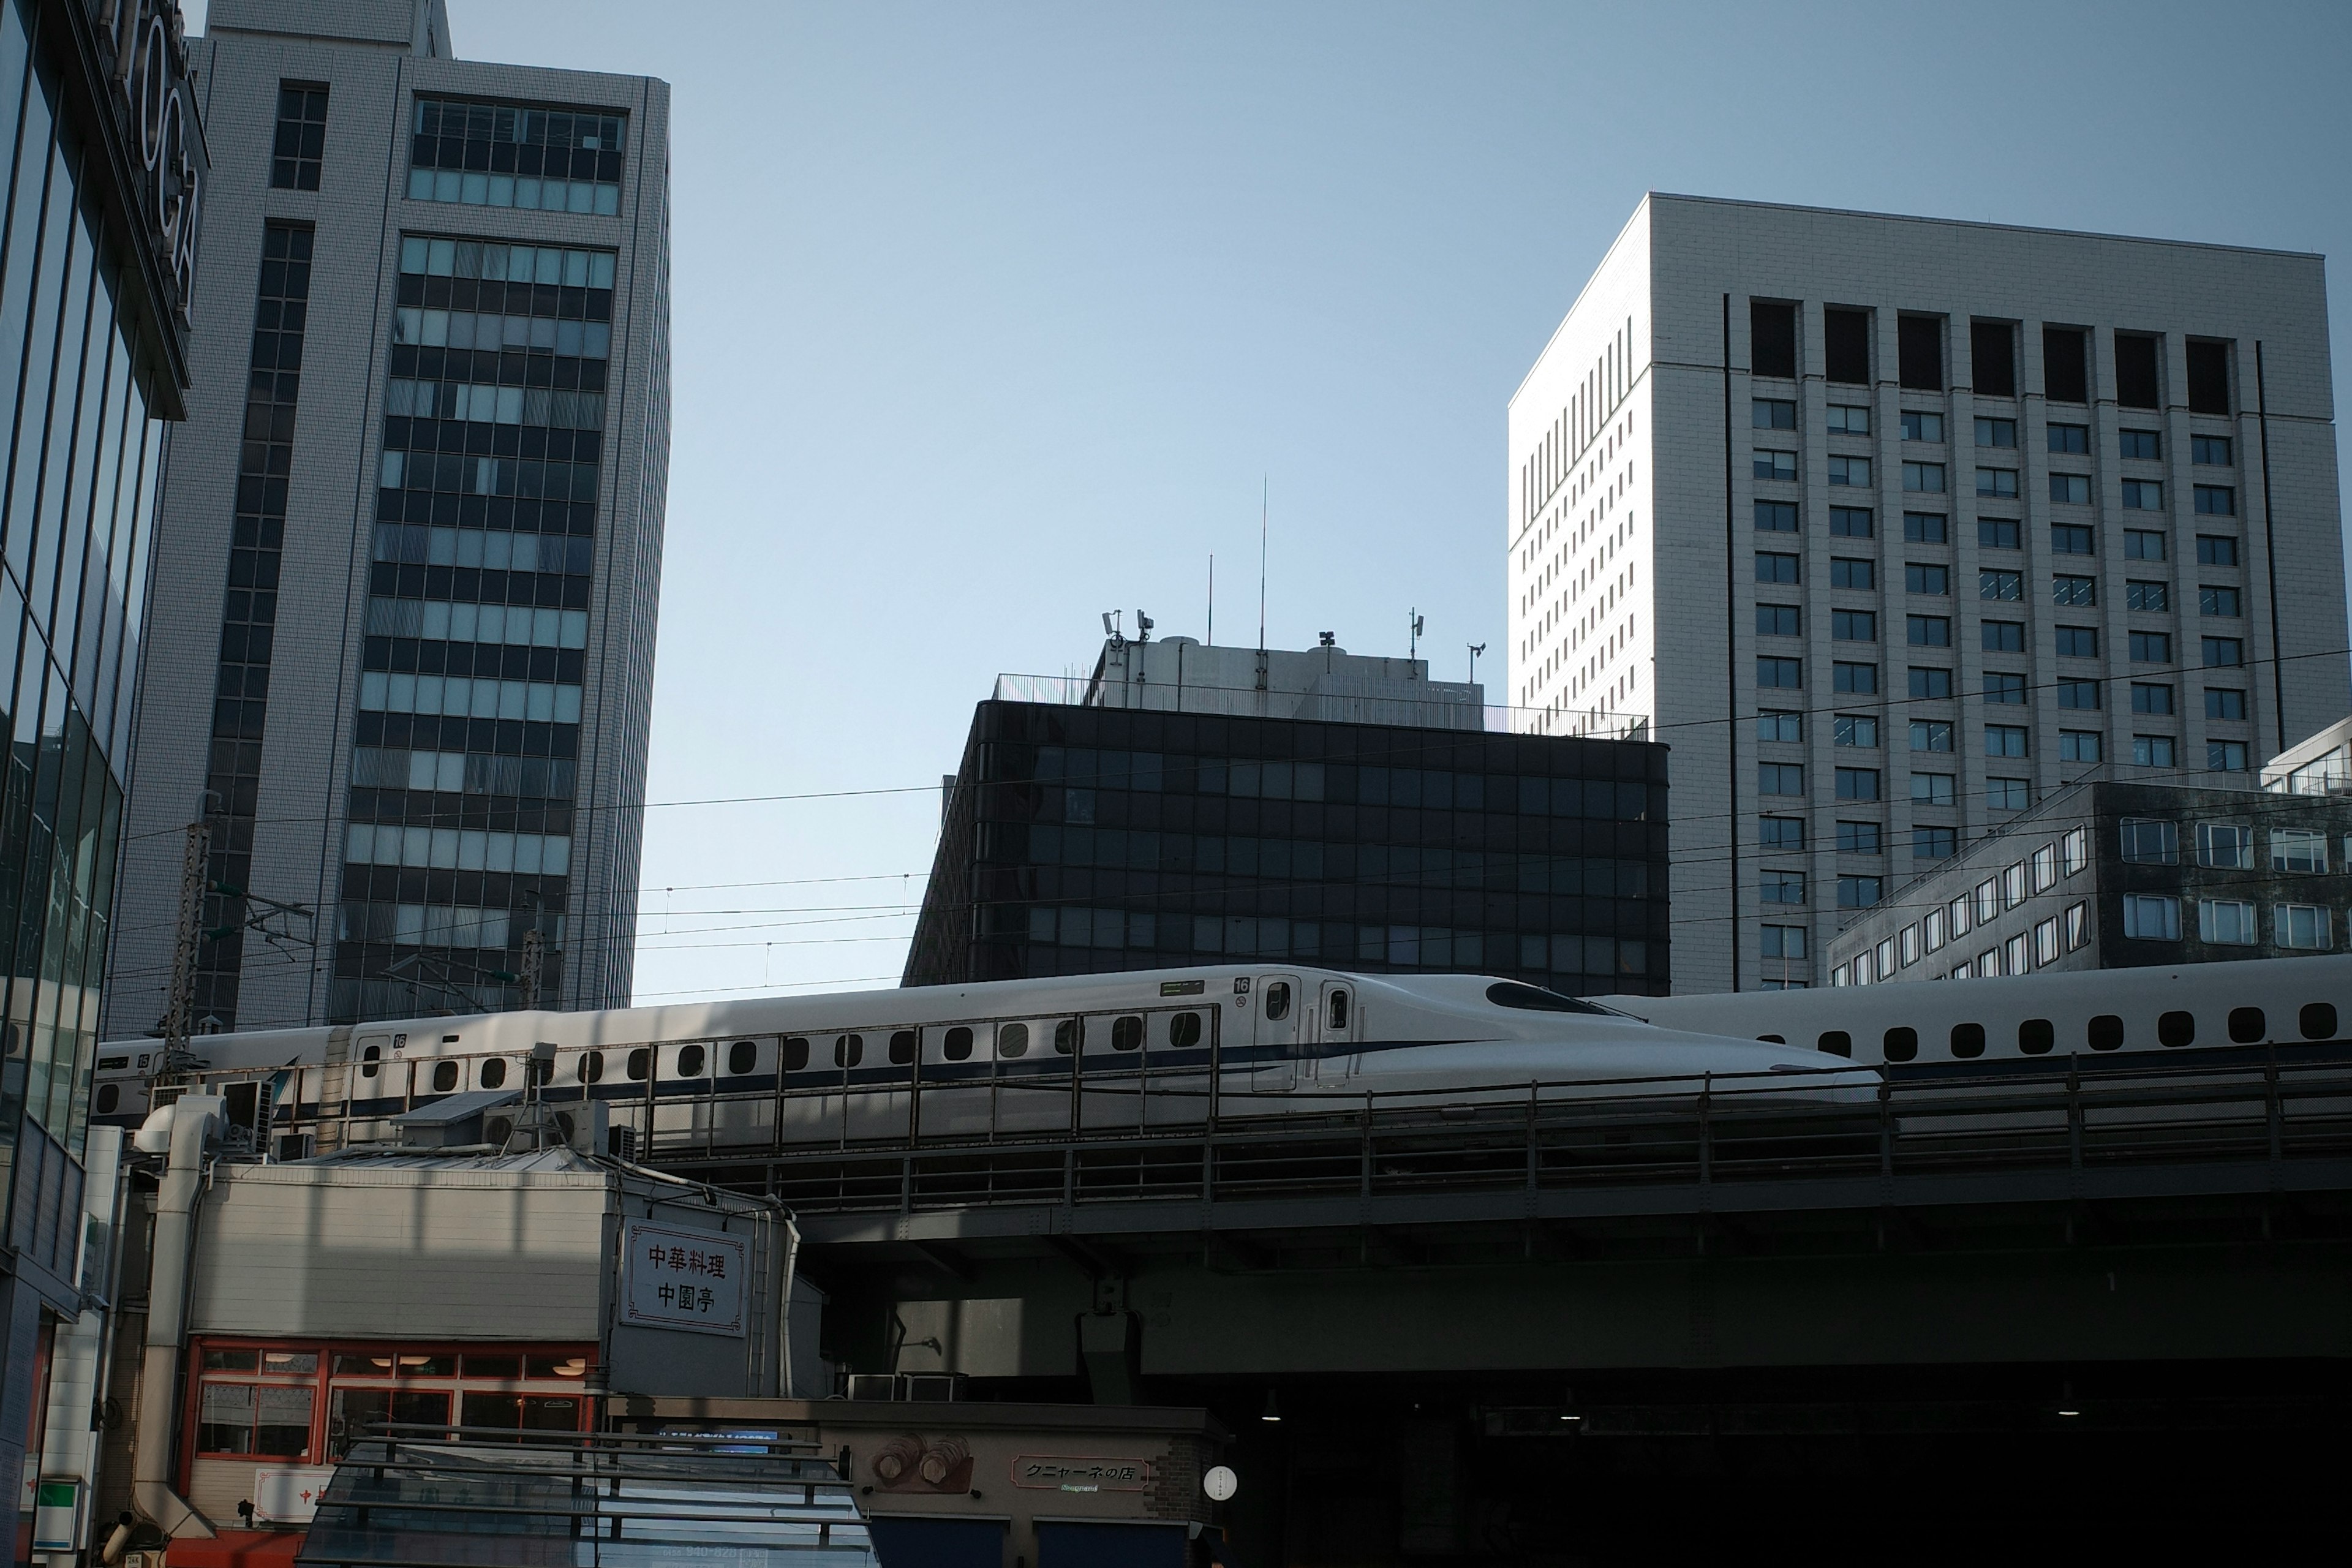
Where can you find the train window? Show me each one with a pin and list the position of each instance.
(1127, 1033)
(1338, 1009)
(796, 1053)
(444, 1076)
(2247, 1024)
(1277, 1002)
(592, 1067)
(1836, 1042)
(1066, 1035)
(2035, 1037)
(1775, 1039)
(109, 1095)
(689, 1062)
(902, 1047)
(371, 1061)
(2107, 1032)
(742, 1058)
(1184, 1030)
(848, 1050)
(641, 1062)
(2176, 1028)
(1013, 1040)
(113, 1064)
(2318, 1021)
(957, 1046)
(1900, 1044)
(1537, 999)
(494, 1073)
(1967, 1039)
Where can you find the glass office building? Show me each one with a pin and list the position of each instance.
(1086, 838)
(93, 292)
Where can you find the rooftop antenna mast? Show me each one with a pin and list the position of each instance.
(1266, 490)
(1212, 638)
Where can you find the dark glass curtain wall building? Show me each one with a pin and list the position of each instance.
(1080, 840)
(95, 201)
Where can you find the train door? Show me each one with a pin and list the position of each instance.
(1179, 1050)
(1334, 1025)
(1031, 1090)
(954, 1084)
(1273, 1041)
(803, 1068)
(1111, 1076)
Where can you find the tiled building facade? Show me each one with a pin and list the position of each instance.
(404, 666)
(1890, 526)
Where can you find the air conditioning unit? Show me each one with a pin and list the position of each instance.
(295, 1146)
(621, 1142)
(936, 1387)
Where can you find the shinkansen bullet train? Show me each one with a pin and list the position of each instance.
(2096, 1014)
(1027, 1055)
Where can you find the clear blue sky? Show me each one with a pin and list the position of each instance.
(991, 317)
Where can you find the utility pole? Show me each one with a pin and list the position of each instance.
(179, 1012)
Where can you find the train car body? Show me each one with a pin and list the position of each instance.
(1002, 1058)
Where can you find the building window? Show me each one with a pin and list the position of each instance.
(1779, 674)
(2225, 845)
(1849, 521)
(1780, 724)
(2149, 444)
(2305, 926)
(2007, 794)
(2151, 917)
(2136, 382)
(1926, 578)
(1775, 465)
(2216, 550)
(1858, 892)
(1999, 533)
(2230, 921)
(1996, 482)
(505, 155)
(2075, 849)
(1784, 888)
(1858, 784)
(2208, 377)
(1858, 837)
(2001, 637)
(1773, 342)
(2150, 841)
(2218, 601)
(1925, 478)
(2141, 495)
(1784, 941)
(1927, 682)
(2004, 585)
(2152, 698)
(1931, 789)
(2078, 745)
(2078, 694)
(2148, 596)
(1853, 626)
(2045, 942)
(2152, 750)
(2045, 867)
(1777, 621)
(1854, 678)
(2069, 439)
(2004, 740)
(1773, 413)
(2071, 490)
(1919, 357)
(1857, 730)
(2224, 653)
(2298, 850)
(1782, 833)
(301, 140)
(1926, 528)
(2078, 642)
(2220, 702)
(1928, 631)
(1776, 517)
(2151, 647)
(1921, 425)
(2078, 926)
(1845, 572)
(1845, 346)
(2081, 590)
(1849, 471)
(1780, 778)
(2210, 452)
(2066, 365)
(1996, 432)
(1849, 419)
(1774, 568)
(1934, 844)
(1931, 734)
(2071, 538)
